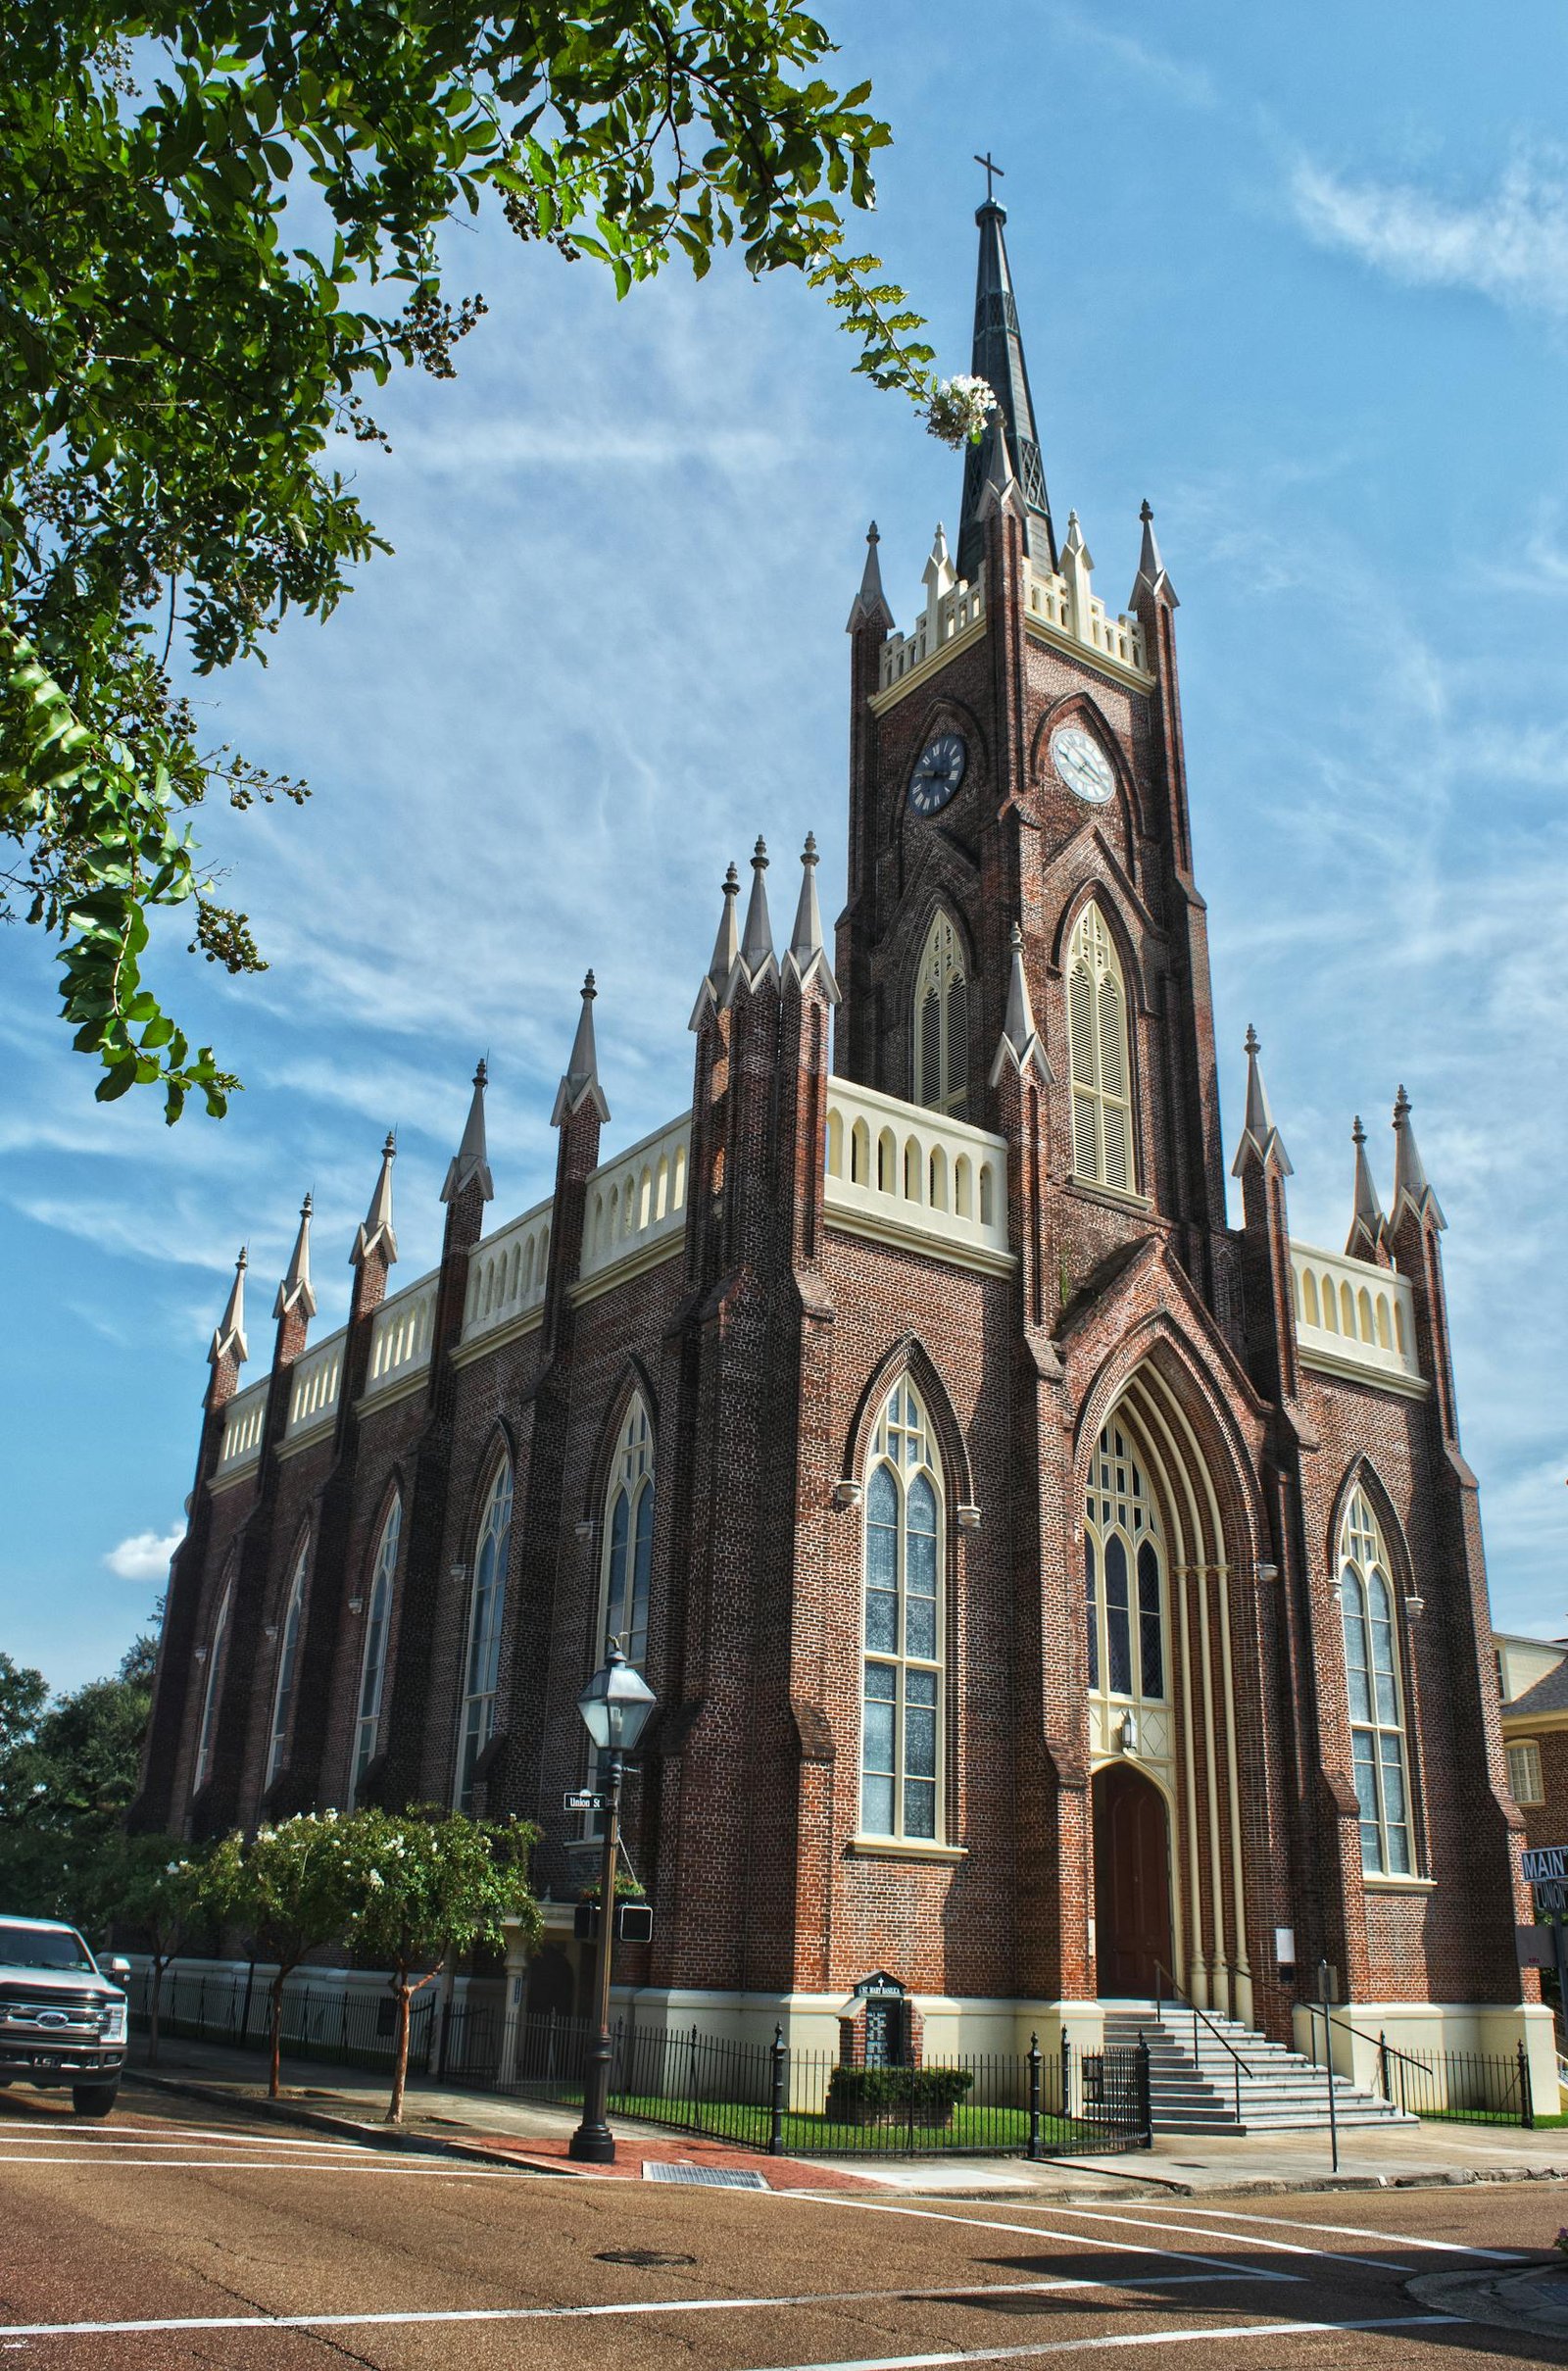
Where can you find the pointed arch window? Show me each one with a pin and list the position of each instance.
(1124, 1578)
(487, 1606)
(1377, 1698)
(942, 1022)
(372, 1662)
(902, 1743)
(287, 1661)
(1099, 1056)
(217, 1658)
(628, 1555)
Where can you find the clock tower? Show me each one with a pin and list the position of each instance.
(1017, 762)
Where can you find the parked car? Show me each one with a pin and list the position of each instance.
(62, 2013)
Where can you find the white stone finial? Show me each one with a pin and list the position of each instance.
(295, 1291)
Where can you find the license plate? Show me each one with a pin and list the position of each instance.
(43, 2059)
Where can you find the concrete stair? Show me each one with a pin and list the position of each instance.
(1194, 2087)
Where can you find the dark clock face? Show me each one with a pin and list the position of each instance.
(938, 772)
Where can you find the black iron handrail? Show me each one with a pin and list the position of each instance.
(1177, 1995)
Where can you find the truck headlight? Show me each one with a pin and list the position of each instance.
(114, 2021)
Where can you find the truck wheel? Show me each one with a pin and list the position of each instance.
(93, 2099)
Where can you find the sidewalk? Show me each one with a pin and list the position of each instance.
(534, 2138)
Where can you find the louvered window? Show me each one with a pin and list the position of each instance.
(626, 1572)
(211, 1698)
(941, 1023)
(1377, 1702)
(1101, 1071)
(901, 1710)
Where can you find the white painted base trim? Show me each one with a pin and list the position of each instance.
(1493, 2029)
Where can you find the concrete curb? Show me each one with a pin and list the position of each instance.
(320, 2119)
(1139, 2185)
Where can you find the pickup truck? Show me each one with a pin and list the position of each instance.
(62, 2015)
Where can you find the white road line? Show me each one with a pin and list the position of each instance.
(1346, 2231)
(153, 2136)
(433, 2169)
(1040, 2230)
(1200, 2231)
(1138, 2338)
(956, 2291)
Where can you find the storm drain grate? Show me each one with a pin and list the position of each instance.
(710, 2177)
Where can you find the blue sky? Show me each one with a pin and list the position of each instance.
(1298, 277)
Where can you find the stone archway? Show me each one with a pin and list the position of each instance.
(1131, 1884)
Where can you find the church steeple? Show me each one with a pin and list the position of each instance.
(999, 359)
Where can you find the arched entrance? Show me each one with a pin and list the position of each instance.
(1132, 1882)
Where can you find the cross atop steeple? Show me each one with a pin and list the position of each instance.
(989, 167)
(998, 358)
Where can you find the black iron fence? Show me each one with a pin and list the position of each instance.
(806, 2103)
(1447, 2085)
(319, 2021)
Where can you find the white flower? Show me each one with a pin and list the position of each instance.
(959, 409)
(375, 1878)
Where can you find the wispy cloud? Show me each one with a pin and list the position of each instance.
(1510, 245)
(1189, 86)
(145, 1556)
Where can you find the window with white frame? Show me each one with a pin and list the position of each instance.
(1098, 1056)
(1525, 1782)
(628, 1546)
(487, 1605)
(1124, 1593)
(287, 1660)
(905, 1620)
(1377, 1699)
(626, 1557)
(942, 1022)
(378, 1627)
(216, 1658)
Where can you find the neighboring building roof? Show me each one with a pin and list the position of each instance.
(1548, 1694)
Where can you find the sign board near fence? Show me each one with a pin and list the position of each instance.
(1535, 1946)
(1545, 1860)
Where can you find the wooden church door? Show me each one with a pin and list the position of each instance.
(1132, 1882)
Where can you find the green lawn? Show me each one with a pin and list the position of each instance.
(1002, 2130)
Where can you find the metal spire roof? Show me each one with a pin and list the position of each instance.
(756, 939)
(229, 1338)
(375, 1232)
(1020, 1041)
(999, 359)
(869, 607)
(1150, 567)
(580, 1083)
(1409, 1176)
(1367, 1224)
(806, 949)
(471, 1162)
(1260, 1135)
(727, 944)
(295, 1291)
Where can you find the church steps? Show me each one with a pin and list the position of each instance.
(1197, 2088)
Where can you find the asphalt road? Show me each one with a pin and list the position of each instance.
(180, 2236)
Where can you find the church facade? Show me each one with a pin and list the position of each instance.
(1053, 1593)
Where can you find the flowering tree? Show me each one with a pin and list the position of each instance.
(959, 408)
(426, 1884)
(291, 1890)
(155, 1883)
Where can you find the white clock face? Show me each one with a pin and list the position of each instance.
(1082, 764)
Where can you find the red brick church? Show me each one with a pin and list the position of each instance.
(1050, 1591)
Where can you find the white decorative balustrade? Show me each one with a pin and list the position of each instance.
(946, 618)
(242, 1431)
(507, 1274)
(1066, 608)
(905, 1174)
(637, 1203)
(1351, 1315)
(400, 1336)
(316, 1381)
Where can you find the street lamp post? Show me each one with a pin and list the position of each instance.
(614, 1707)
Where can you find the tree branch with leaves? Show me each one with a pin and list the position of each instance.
(185, 350)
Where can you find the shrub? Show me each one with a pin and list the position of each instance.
(896, 2094)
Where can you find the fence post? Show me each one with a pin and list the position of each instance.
(780, 2071)
(1527, 2105)
(1146, 2110)
(1066, 2074)
(1034, 2094)
(1383, 2064)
